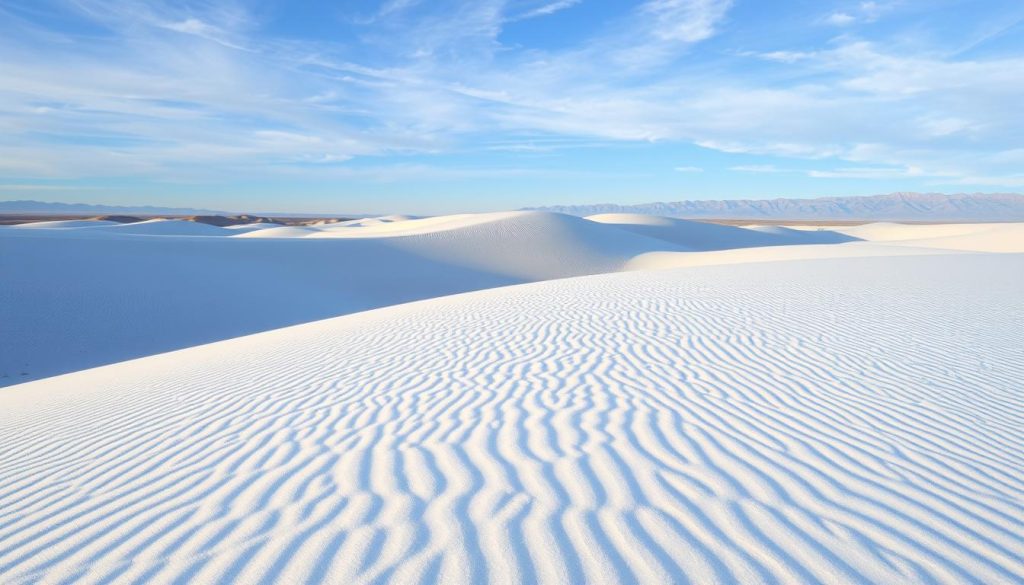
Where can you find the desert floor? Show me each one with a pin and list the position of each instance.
(516, 397)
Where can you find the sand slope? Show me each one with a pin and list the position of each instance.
(979, 237)
(891, 232)
(666, 260)
(166, 227)
(809, 236)
(840, 421)
(73, 299)
(84, 294)
(65, 224)
(692, 235)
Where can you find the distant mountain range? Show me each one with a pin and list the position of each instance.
(48, 208)
(893, 206)
(43, 207)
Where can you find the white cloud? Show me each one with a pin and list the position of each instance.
(687, 21)
(157, 99)
(868, 173)
(864, 12)
(785, 56)
(192, 26)
(396, 6)
(758, 169)
(196, 27)
(871, 11)
(840, 19)
(546, 9)
(939, 127)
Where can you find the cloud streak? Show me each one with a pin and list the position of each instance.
(165, 90)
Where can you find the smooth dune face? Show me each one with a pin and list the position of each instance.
(252, 226)
(843, 421)
(890, 232)
(668, 260)
(999, 238)
(169, 227)
(981, 237)
(812, 236)
(692, 235)
(280, 231)
(65, 224)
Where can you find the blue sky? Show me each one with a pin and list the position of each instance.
(435, 106)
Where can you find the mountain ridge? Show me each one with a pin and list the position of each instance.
(30, 206)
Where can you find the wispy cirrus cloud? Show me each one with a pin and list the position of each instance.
(545, 9)
(858, 13)
(162, 89)
(687, 21)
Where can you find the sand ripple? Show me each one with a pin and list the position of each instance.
(844, 421)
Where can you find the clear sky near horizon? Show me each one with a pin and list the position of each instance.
(435, 106)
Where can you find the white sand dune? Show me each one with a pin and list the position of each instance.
(77, 298)
(374, 221)
(73, 299)
(169, 227)
(999, 238)
(282, 231)
(891, 232)
(65, 224)
(504, 220)
(668, 260)
(791, 236)
(978, 237)
(150, 227)
(701, 236)
(252, 226)
(838, 421)
(525, 245)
